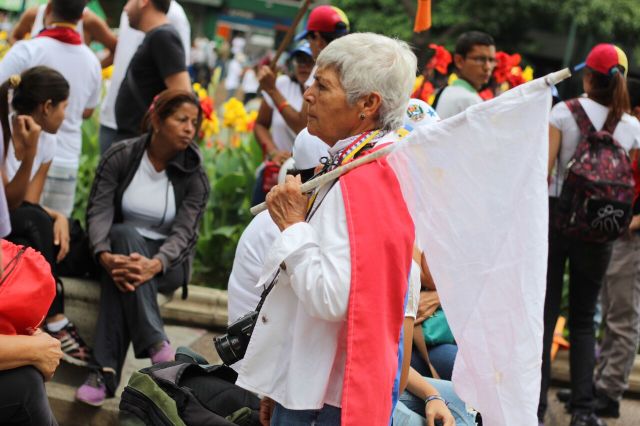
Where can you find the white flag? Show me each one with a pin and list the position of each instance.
(476, 187)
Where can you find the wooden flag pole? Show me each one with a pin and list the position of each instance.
(287, 38)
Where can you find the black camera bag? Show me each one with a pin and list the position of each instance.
(183, 392)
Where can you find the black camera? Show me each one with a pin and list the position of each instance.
(232, 346)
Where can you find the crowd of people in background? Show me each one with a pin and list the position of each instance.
(335, 94)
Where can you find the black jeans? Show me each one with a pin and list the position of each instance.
(32, 226)
(131, 317)
(23, 398)
(587, 267)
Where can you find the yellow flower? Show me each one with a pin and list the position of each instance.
(107, 72)
(417, 83)
(3, 35)
(453, 77)
(527, 74)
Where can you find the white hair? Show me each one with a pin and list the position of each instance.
(367, 63)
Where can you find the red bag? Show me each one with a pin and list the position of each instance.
(270, 176)
(27, 289)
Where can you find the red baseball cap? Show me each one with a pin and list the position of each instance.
(605, 58)
(325, 19)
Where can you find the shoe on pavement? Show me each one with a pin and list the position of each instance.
(586, 419)
(74, 350)
(606, 407)
(93, 391)
(162, 353)
(564, 395)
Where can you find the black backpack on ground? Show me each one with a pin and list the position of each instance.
(187, 392)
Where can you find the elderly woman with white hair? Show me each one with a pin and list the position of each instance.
(327, 342)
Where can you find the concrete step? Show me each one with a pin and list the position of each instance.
(188, 323)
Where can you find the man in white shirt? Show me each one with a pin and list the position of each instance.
(128, 41)
(60, 47)
(475, 59)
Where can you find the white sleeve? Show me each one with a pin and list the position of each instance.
(93, 100)
(559, 115)
(320, 276)
(17, 60)
(413, 296)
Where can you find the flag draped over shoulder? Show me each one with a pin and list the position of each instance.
(476, 188)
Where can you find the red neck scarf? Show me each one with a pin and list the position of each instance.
(63, 34)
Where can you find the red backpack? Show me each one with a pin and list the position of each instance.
(598, 189)
(27, 289)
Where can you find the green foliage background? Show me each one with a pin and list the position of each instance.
(509, 21)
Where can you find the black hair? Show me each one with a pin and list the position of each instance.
(68, 10)
(161, 5)
(35, 86)
(329, 37)
(166, 103)
(466, 41)
(611, 91)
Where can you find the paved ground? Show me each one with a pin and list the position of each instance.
(629, 415)
(70, 413)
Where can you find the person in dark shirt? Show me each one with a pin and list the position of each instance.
(159, 64)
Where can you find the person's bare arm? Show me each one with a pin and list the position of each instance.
(296, 120)
(40, 350)
(99, 31)
(434, 410)
(555, 139)
(406, 358)
(34, 189)
(263, 135)
(179, 80)
(24, 25)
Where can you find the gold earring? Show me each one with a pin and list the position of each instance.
(362, 116)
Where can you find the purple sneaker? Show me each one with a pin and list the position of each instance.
(93, 391)
(162, 353)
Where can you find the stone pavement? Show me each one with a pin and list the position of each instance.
(557, 416)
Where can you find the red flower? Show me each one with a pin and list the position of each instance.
(207, 107)
(440, 60)
(508, 69)
(486, 94)
(424, 91)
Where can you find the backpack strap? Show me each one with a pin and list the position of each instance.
(436, 99)
(580, 116)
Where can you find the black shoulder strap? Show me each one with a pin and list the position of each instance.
(437, 98)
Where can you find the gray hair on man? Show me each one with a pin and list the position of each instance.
(367, 63)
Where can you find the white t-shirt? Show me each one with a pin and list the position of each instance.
(44, 154)
(80, 68)
(251, 252)
(283, 136)
(234, 72)
(152, 216)
(128, 42)
(627, 133)
(250, 83)
(413, 296)
(38, 23)
(454, 100)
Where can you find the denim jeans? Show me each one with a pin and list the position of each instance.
(107, 136)
(327, 416)
(411, 409)
(442, 358)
